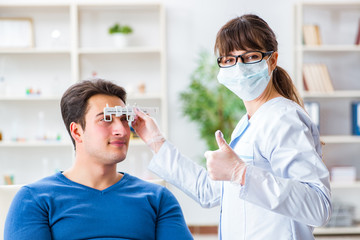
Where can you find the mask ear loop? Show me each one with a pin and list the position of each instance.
(271, 74)
(269, 57)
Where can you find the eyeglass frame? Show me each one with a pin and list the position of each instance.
(263, 54)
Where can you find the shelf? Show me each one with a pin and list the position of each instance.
(337, 230)
(34, 51)
(336, 5)
(29, 98)
(329, 48)
(340, 139)
(347, 185)
(341, 57)
(147, 96)
(123, 4)
(335, 94)
(35, 144)
(26, 5)
(119, 50)
(84, 47)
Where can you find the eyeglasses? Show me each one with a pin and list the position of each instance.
(246, 58)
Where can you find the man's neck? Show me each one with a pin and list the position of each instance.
(93, 175)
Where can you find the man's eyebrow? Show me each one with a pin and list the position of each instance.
(102, 113)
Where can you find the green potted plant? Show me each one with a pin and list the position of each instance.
(120, 34)
(209, 104)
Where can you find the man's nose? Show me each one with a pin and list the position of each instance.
(119, 127)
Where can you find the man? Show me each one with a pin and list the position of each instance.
(91, 200)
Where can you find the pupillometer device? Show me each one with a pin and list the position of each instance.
(117, 111)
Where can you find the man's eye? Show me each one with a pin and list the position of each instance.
(107, 118)
(123, 119)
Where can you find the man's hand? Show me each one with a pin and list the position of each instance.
(224, 164)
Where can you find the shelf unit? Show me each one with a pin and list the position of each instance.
(338, 23)
(83, 50)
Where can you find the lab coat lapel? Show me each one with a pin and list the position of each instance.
(239, 130)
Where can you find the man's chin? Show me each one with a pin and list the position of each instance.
(116, 158)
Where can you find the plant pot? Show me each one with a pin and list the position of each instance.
(120, 40)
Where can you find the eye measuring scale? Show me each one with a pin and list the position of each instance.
(118, 111)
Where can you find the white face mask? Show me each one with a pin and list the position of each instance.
(247, 81)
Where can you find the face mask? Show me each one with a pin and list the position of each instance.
(247, 81)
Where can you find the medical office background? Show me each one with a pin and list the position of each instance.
(71, 42)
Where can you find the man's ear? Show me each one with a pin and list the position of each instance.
(76, 132)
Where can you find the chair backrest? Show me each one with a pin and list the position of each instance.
(7, 193)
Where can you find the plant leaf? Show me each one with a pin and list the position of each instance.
(209, 104)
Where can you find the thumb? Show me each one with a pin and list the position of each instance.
(220, 139)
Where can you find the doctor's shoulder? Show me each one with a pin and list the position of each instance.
(287, 112)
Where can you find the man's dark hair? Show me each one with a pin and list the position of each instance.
(74, 102)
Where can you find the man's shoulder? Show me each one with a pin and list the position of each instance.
(151, 187)
(44, 184)
(150, 184)
(41, 189)
(155, 191)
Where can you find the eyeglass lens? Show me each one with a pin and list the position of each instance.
(250, 57)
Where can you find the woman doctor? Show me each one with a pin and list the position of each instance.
(270, 180)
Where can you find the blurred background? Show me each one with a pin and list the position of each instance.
(156, 50)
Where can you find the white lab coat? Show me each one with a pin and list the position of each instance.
(286, 191)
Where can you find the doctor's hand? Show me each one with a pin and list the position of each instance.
(224, 164)
(147, 129)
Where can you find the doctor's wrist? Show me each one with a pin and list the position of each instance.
(238, 174)
(155, 143)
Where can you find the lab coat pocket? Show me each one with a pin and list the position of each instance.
(245, 151)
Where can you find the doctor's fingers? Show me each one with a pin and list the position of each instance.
(139, 113)
(220, 164)
(141, 117)
(213, 165)
(213, 155)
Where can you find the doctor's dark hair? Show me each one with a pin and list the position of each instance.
(250, 32)
(74, 102)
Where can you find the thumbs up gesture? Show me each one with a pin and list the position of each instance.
(224, 164)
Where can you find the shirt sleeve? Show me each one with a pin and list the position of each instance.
(186, 175)
(26, 219)
(298, 185)
(170, 221)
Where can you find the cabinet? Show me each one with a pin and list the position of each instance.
(338, 24)
(71, 43)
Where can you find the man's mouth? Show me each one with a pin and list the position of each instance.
(118, 143)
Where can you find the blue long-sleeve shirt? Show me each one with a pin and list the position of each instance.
(58, 208)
